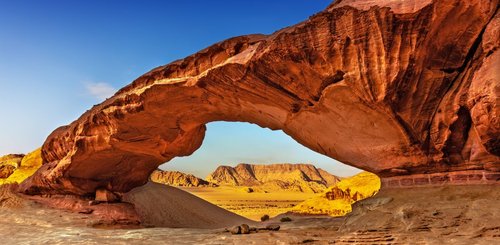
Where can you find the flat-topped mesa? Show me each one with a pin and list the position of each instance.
(398, 93)
(274, 177)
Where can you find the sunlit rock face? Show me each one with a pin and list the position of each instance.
(176, 178)
(278, 177)
(398, 89)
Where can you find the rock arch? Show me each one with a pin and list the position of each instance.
(409, 90)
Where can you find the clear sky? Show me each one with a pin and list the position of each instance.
(58, 58)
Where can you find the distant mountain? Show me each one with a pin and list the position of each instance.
(175, 178)
(328, 177)
(274, 177)
(337, 199)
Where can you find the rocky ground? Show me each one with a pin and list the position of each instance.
(444, 215)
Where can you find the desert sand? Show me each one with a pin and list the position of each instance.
(334, 201)
(250, 205)
(444, 215)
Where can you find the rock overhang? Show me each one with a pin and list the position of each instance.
(397, 93)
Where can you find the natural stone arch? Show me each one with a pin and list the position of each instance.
(392, 92)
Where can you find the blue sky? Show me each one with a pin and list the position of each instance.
(58, 58)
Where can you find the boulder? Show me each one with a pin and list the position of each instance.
(245, 229)
(235, 230)
(103, 195)
(273, 227)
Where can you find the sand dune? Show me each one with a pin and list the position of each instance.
(165, 206)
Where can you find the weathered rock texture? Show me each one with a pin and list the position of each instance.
(6, 171)
(15, 168)
(275, 177)
(8, 164)
(338, 199)
(402, 91)
(176, 178)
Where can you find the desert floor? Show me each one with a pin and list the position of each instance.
(444, 215)
(250, 205)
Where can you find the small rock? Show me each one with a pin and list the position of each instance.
(235, 230)
(86, 211)
(103, 195)
(264, 217)
(309, 240)
(273, 227)
(285, 219)
(253, 228)
(245, 229)
(95, 223)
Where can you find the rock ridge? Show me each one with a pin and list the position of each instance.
(275, 177)
(176, 178)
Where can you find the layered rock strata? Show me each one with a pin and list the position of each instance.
(176, 178)
(274, 177)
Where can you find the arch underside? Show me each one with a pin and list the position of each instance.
(394, 93)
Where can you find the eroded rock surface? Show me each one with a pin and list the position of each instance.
(413, 90)
(274, 177)
(8, 164)
(176, 178)
(338, 199)
(15, 168)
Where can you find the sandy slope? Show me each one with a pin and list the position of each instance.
(166, 206)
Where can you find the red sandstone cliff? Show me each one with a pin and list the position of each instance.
(398, 88)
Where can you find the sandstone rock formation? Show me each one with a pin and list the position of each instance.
(407, 90)
(274, 177)
(338, 199)
(15, 168)
(175, 178)
(9, 163)
(328, 177)
(103, 195)
(11, 160)
(6, 171)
